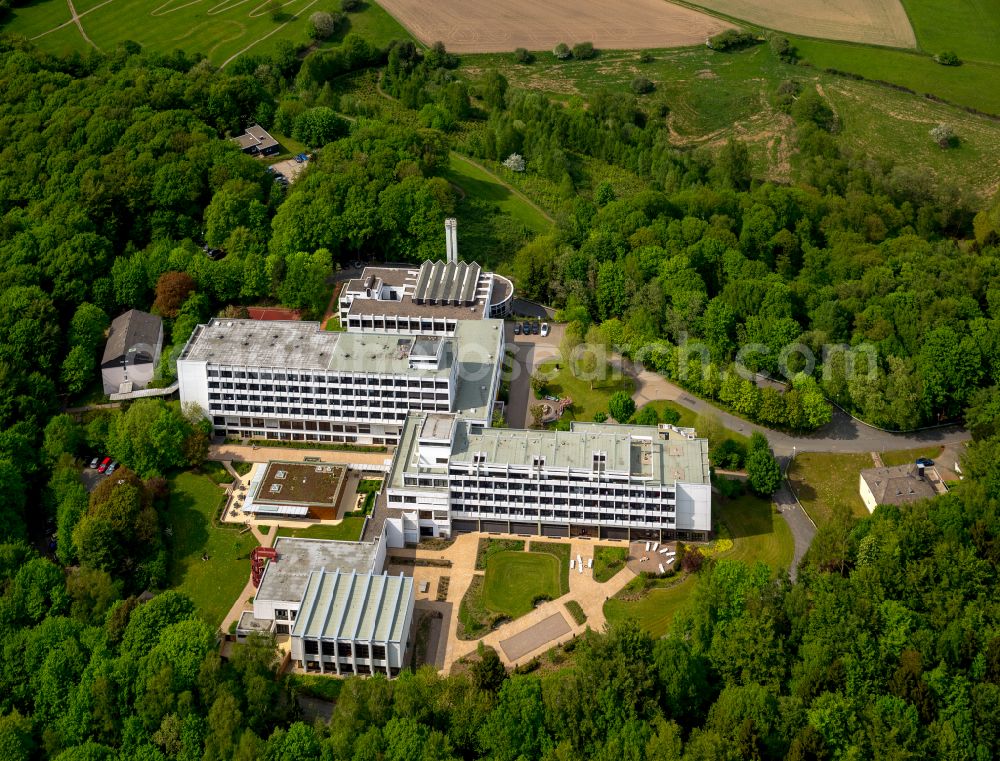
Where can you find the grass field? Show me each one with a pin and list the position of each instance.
(587, 401)
(220, 30)
(473, 180)
(758, 533)
(689, 419)
(906, 456)
(972, 84)
(561, 552)
(822, 481)
(348, 530)
(971, 28)
(212, 584)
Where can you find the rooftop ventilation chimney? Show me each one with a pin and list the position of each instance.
(451, 239)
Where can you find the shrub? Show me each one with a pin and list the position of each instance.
(731, 39)
(645, 416)
(642, 86)
(521, 55)
(600, 417)
(645, 57)
(584, 51)
(783, 49)
(944, 136)
(948, 58)
(621, 406)
(728, 455)
(350, 5)
(562, 51)
(692, 561)
(322, 25)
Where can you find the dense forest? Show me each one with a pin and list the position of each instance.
(115, 171)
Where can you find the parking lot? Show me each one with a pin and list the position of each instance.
(290, 168)
(530, 352)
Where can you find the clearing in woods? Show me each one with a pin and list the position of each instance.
(484, 26)
(877, 22)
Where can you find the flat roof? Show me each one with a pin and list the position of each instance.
(479, 352)
(437, 426)
(638, 451)
(297, 345)
(300, 483)
(285, 579)
(348, 606)
(456, 290)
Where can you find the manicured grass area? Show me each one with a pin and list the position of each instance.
(757, 533)
(971, 28)
(242, 467)
(608, 561)
(515, 581)
(823, 481)
(487, 548)
(348, 530)
(757, 530)
(192, 26)
(475, 181)
(576, 611)
(587, 401)
(333, 324)
(212, 584)
(655, 610)
(906, 456)
(561, 552)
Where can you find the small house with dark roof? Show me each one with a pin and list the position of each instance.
(257, 141)
(898, 485)
(132, 351)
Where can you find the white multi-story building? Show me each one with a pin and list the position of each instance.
(602, 481)
(294, 381)
(343, 614)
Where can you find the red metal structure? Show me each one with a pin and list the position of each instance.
(257, 562)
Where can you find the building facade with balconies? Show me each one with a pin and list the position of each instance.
(603, 481)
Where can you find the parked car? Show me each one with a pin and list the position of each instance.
(215, 254)
(95, 462)
(551, 398)
(526, 327)
(104, 465)
(545, 328)
(111, 468)
(302, 158)
(534, 328)
(925, 461)
(517, 328)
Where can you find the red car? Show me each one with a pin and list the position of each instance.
(104, 465)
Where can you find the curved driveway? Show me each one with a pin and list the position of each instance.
(842, 434)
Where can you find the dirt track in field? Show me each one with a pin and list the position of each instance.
(493, 26)
(878, 22)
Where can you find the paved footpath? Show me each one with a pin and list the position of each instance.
(582, 587)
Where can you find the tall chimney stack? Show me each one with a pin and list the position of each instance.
(451, 239)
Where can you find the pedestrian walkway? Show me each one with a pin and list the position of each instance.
(248, 453)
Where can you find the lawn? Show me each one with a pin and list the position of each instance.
(217, 472)
(475, 181)
(212, 584)
(822, 481)
(655, 611)
(196, 27)
(608, 561)
(906, 456)
(757, 533)
(561, 552)
(515, 581)
(348, 530)
(588, 399)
